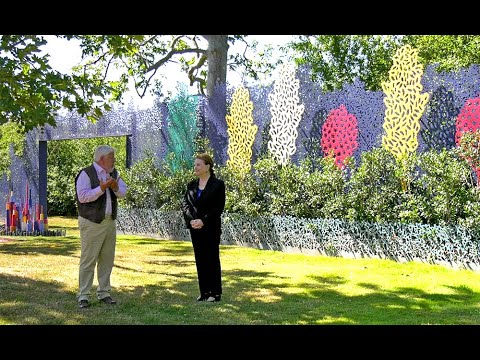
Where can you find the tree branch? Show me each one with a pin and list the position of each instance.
(192, 69)
(172, 53)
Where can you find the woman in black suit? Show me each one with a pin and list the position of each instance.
(202, 207)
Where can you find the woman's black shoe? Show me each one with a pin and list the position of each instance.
(214, 298)
(202, 297)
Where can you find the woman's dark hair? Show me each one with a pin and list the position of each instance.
(208, 160)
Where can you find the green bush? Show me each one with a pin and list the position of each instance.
(326, 190)
(142, 181)
(443, 187)
(281, 186)
(241, 192)
(154, 187)
(432, 187)
(375, 188)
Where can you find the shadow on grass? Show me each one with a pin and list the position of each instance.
(250, 297)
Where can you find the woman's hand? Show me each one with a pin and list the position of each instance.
(196, 223)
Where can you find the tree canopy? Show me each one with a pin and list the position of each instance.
(31, 92)
(339, 59)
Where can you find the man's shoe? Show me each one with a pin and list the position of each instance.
(83, 304)
(108, 300)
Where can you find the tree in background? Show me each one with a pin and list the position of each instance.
(10, 139)
(31, 92)
(450, 52)
(339, 59)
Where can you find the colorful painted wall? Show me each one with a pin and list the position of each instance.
(417, 109)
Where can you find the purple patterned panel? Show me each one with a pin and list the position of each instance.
(71, 123)
(216, 123)
(309, 128)
(162, 113)
(23, 169)
(369, 109)
(18, 181)
(462, 84)
(134, 139)
(438, 122)
(70, 126)
(102, 125)
(312, 142)
(30, 162)
(146, 128)
(201, 123)
(261, 117)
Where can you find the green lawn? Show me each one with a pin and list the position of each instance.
(154, 282)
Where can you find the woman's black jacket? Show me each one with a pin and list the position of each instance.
(208, 207)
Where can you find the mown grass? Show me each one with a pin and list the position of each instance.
(155, 283)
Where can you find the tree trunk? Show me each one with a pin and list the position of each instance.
(217, 52)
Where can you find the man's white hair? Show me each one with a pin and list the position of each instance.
(102, 150)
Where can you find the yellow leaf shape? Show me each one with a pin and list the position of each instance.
(241, 132)
(405, 104)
